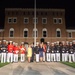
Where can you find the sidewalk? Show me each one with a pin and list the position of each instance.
(42, 68)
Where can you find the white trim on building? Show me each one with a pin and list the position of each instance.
(70, 30)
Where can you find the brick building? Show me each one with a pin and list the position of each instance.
(50, 25)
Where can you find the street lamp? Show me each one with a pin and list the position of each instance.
(34, 22)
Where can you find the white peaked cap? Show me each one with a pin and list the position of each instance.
(63, 42)
(52, 43)
(4, 40)
(48, 42)
(16, 43)
(57, 42)
(22, 42)
(13, 43)
(73, 40)
(67, 42)
(37, 43)
(10, 41)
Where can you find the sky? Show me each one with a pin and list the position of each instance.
(68, 5)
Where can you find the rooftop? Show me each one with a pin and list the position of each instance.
(47, 9)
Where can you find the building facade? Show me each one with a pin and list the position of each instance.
(50, 25)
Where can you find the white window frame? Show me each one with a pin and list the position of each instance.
(33, 33)
(68, 34)
(36, 20)
(9, 18)
(44, 29)
(56, 20)
(58, 29)
(61, 20)
(14, 18)
(43, 19)
(11, 29)
(27, 19)
(25, 29)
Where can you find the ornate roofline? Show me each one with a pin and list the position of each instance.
(31, 9)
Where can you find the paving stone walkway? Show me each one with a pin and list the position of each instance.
(42, 68)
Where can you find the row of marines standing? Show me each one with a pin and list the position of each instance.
(10, 52)
(45, 52)
(56, 52)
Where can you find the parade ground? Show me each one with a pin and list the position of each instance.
(41, 68)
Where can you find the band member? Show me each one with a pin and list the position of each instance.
(22, 52)
(36, 49)
(71, 53)
(53, 52)
(74, 49)
(57, 53)
(41, 52)
(15, 52)
(4, 51)
(63, 52)
(67, 53)
(60, 48)
(48, 52)
(10, 52)
(29, 53)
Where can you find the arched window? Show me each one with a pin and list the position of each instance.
(58, 32)
(34, 32)
(11, 32)
(25, 32)
(44, 32)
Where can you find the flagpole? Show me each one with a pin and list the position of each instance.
(34, 22)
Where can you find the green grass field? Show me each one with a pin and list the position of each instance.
(3, 64)
(69, 64)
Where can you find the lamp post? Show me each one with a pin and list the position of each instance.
(34, 22)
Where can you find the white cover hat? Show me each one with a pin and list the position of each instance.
(4, 40)
(73, 40)
(16, 43)
(10, 41)
(37, 43)
(48, 42)
(67, 42)
(13, 43)
(22, 42)
(57, 42)
(52, 43)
